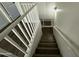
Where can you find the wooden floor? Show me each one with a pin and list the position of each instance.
(47, 46)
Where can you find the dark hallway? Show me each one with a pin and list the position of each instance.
(47, 46)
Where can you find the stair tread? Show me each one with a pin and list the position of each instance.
(46, 40)
(46, 48)
(44, 45)
(47, 51)
(47, 55)
(47, 43)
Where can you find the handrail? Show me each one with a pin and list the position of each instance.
(69, 42)
(12, 25)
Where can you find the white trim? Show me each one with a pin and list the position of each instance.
(26, 28)
(18, 5)
(22, 12)
(29, 26)
(32, 19)
(24, 7)
(28, 15)
(37, 30)
(2, 10)
(19, 36)
(14, 44)
(19, 25)
(12, 25)
(25, 10)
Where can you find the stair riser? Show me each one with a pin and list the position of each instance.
(44, 41)
(47, 45)
(46, 51)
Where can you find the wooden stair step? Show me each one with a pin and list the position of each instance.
(46, 55)
(47, 41)
(54, 45)
(47, 51)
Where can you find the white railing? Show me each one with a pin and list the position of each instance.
(19, 34)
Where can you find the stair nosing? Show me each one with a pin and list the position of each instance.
(47, 43)
(46, 48)
(47, 55)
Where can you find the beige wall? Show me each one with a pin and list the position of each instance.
(68, 22)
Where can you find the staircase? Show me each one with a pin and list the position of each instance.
(47, 46)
